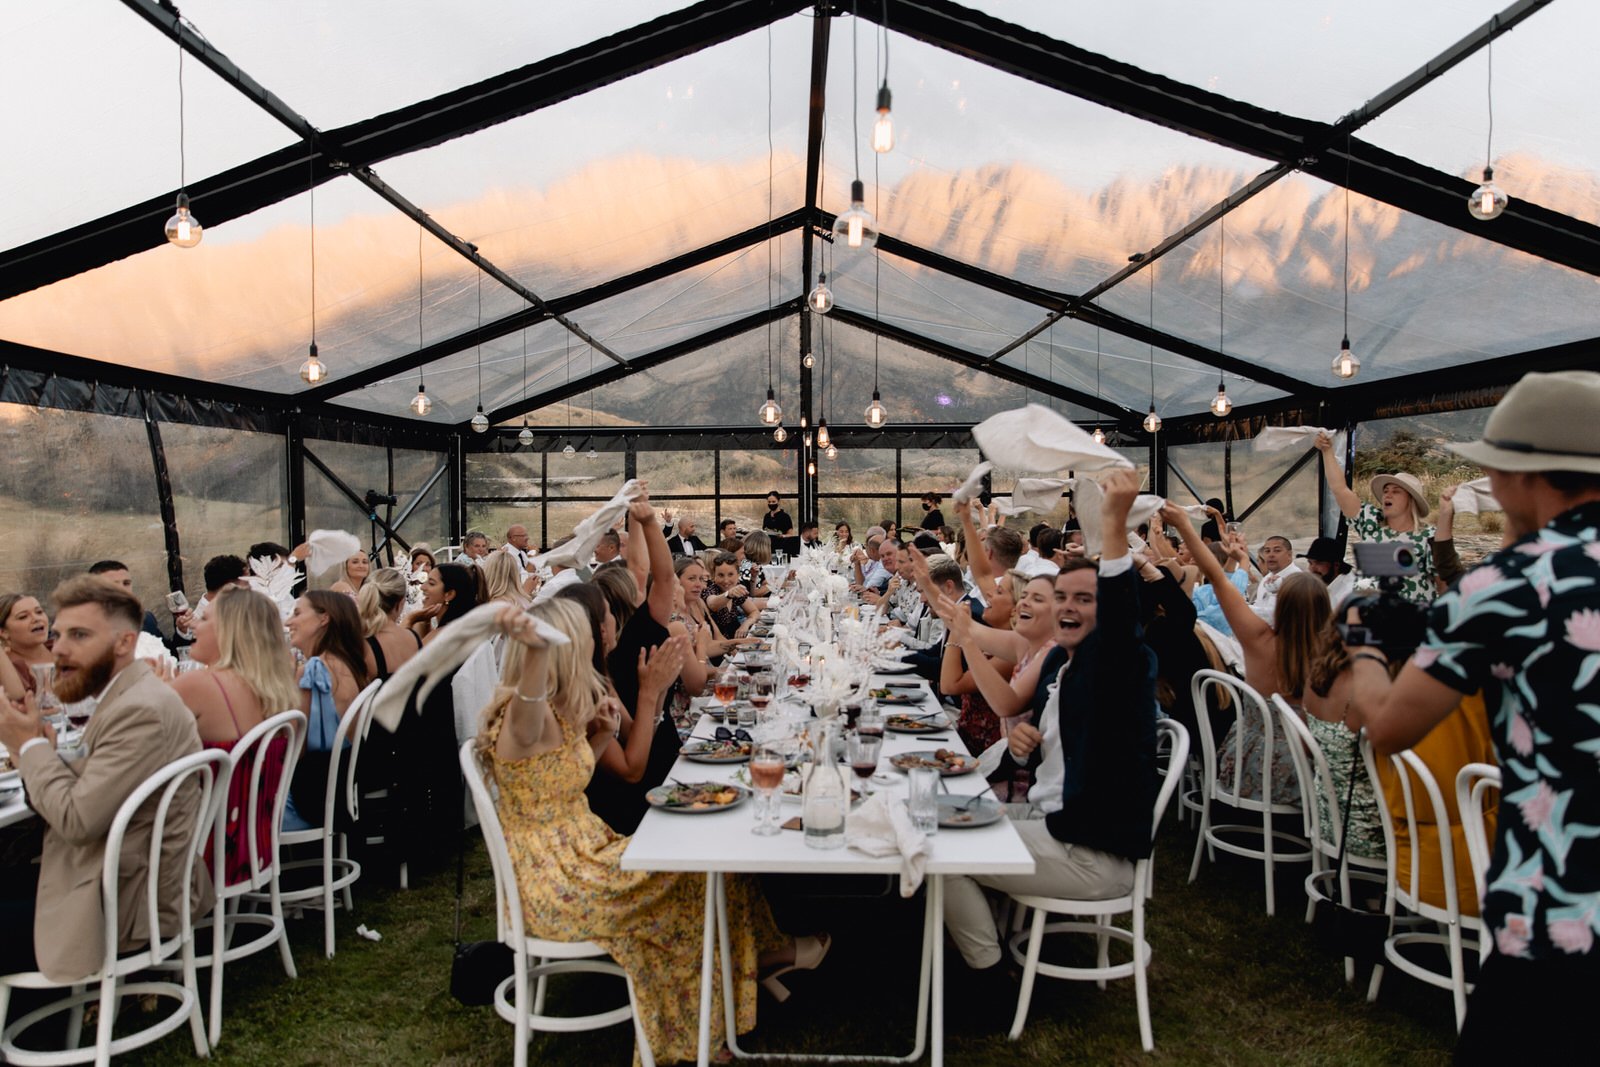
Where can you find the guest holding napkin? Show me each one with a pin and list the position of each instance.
(1397, 516)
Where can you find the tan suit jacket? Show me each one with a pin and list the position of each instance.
(140, 726)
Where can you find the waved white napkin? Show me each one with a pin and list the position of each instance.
(973, 486)
(1089, 496)
(586, 535)
(1039, 494)
(449, 649)
(329, 548)
(1474, 496)
(1036, 439)
(882, 827)
(1278, 438)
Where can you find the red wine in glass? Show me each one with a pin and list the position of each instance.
(852, 712)
(78, 717)
(870, 728)
(865, 768)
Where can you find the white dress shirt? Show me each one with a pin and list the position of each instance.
(1265, 602)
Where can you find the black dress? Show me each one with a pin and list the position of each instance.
(933, 520)
(621, 804)
(777, 521)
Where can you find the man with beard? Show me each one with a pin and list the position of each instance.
(139, 726)
(1092, 752)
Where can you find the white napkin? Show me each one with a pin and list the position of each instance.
(973, 486)
(1278, 438)
(587, 534)
(329, 548)
(1474, 496)
(449, 649)
(1034, 438)
(1227, 647)
(1197, 512)
(1039, 494)
(1089, 497)
(882, 827)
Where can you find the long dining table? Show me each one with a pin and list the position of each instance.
(720, 843)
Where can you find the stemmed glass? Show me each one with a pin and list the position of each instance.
(726, 688)
(44, 678)
(767, 766)
(863, 752)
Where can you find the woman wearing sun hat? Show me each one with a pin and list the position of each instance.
(1397, 516)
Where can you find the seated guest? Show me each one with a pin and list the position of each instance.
(474, 548)
(221, 572)
(725, 596)
(808, 534)
(1277, 564)
(388, 643)
(422, 559)
(274, 552)
(1037, 559)
(517, 546)
(117, 572)
(538, 745)
(1233, 559)
(874, 588)
(449, 592)
(139, 727)
(502, 580)
(727, 530)
(250, 680)
(353, 574)
(842, 537)
(757, 554)
(1328, 697)
(891, 531)
(25, 635)
(708, 644)
(682, 540)
(1092, 752)
(326, 630)
(608, 548)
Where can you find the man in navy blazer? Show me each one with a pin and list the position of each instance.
(1092, 752)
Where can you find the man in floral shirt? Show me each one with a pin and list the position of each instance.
(1524, 627)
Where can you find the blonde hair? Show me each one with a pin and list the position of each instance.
(344, 571)
(502, 579)
(573, 686)
(250, 643)
(758, 547)
(382, 592)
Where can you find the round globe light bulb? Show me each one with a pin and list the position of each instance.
(1487, 200)
(820, 298)
(568, 450)
(832, 451)
(313, 370)
(771, 414)
(480, 421)
(591, 454)
(780, 435)
(183, 229)
(877, 414)
(1099, 436)
(1221, 404)
(422, 403)
(856, 228)
(525, 437)
(1152, 421)
(1346, 365)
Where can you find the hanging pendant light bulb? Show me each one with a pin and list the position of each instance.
(1221, 404)
(856, 227)
(1152, 421)
(780, 435)
(821, 297)
(771, 413)
(877, 414)
(568, 450)
(883, 128)
(525, 437)
(811, 468)
(1345, 364)
(823, 436)
(1486, 202)
(313, 370)
(806, 440)
(832, 451)
(183, 229)
(808, 361)
(480, 421)
(591, 454)
(1099, 436)
(422, 403)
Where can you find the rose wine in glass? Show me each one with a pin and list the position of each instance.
(767, 766)
(727, 688)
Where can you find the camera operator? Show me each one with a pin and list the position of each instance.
(1524, 627)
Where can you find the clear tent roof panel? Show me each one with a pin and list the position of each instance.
(338, 63)
(936, 305)
(569, 196)
(1316, 61)
(1423, 296)
(131, 153)
(1012, 176)
(1545, 112)
(689, 303)
(237, 308)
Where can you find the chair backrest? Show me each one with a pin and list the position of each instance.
(1407, 765)
(290, 728)
(1245, 702)
(507, 900)
(208, 769)
(353, 727)
(1311, 767)
(472, 689)
(1472, 782)
(1174, 736)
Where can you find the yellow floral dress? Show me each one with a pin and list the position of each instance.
(568, 865)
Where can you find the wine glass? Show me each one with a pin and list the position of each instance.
(863, 753)
(726, 688)
(767, 766)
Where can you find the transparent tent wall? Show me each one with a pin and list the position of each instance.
(82, 489)
(1290, 512)
(228, 492)
(367, 467)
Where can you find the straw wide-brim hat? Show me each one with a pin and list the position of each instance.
(1408, 482)
(1546, 422)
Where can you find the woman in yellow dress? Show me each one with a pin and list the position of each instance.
(538, 742)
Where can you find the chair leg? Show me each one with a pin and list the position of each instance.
(276, 908)
(1030, 971)
(405, 875)
(641, 1040)
(74, 1017)
(344, 854)
(1266, 847)
(219, 923)
(519, 997)
(327, 896)
(108, 1016)
(1141, 981)
(1458, 976)
(1103, 943)
(1200, 839)
(191, 983)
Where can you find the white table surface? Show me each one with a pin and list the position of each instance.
(721, 843)
(14, 810)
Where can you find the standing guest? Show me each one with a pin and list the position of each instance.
(354, 575)
(25, 634)
(379, 604)
(449, 592)
(139, 727)
(326, 630)
(932, 517)
(1325, 560)
(608, 548)
(117, 573)
(1397, 516)
(1092, 751)
(1233, 557)
(682, 541)
(250, 680)
(1524, 628)
(474, 547)
(1277, 564)
(776, 520)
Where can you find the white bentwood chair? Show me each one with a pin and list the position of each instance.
(1025, 946)
(337, 870)
(1472, 782)
(1245, 701)
(548, 957)
(207, 770)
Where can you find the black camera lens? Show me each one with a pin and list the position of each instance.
(1404, 557)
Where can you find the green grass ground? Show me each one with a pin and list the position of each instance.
(1228, 985)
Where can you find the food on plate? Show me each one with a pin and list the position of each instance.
(915, 723)
(942, 759)
(699, 795)
(719, 749)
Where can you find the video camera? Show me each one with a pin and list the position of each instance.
(1389, 621)
(376, 499)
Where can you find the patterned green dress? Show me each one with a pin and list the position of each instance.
(1369, 526)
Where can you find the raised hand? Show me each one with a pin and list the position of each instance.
(518, 625)
(1324, 443)
(661, 665)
